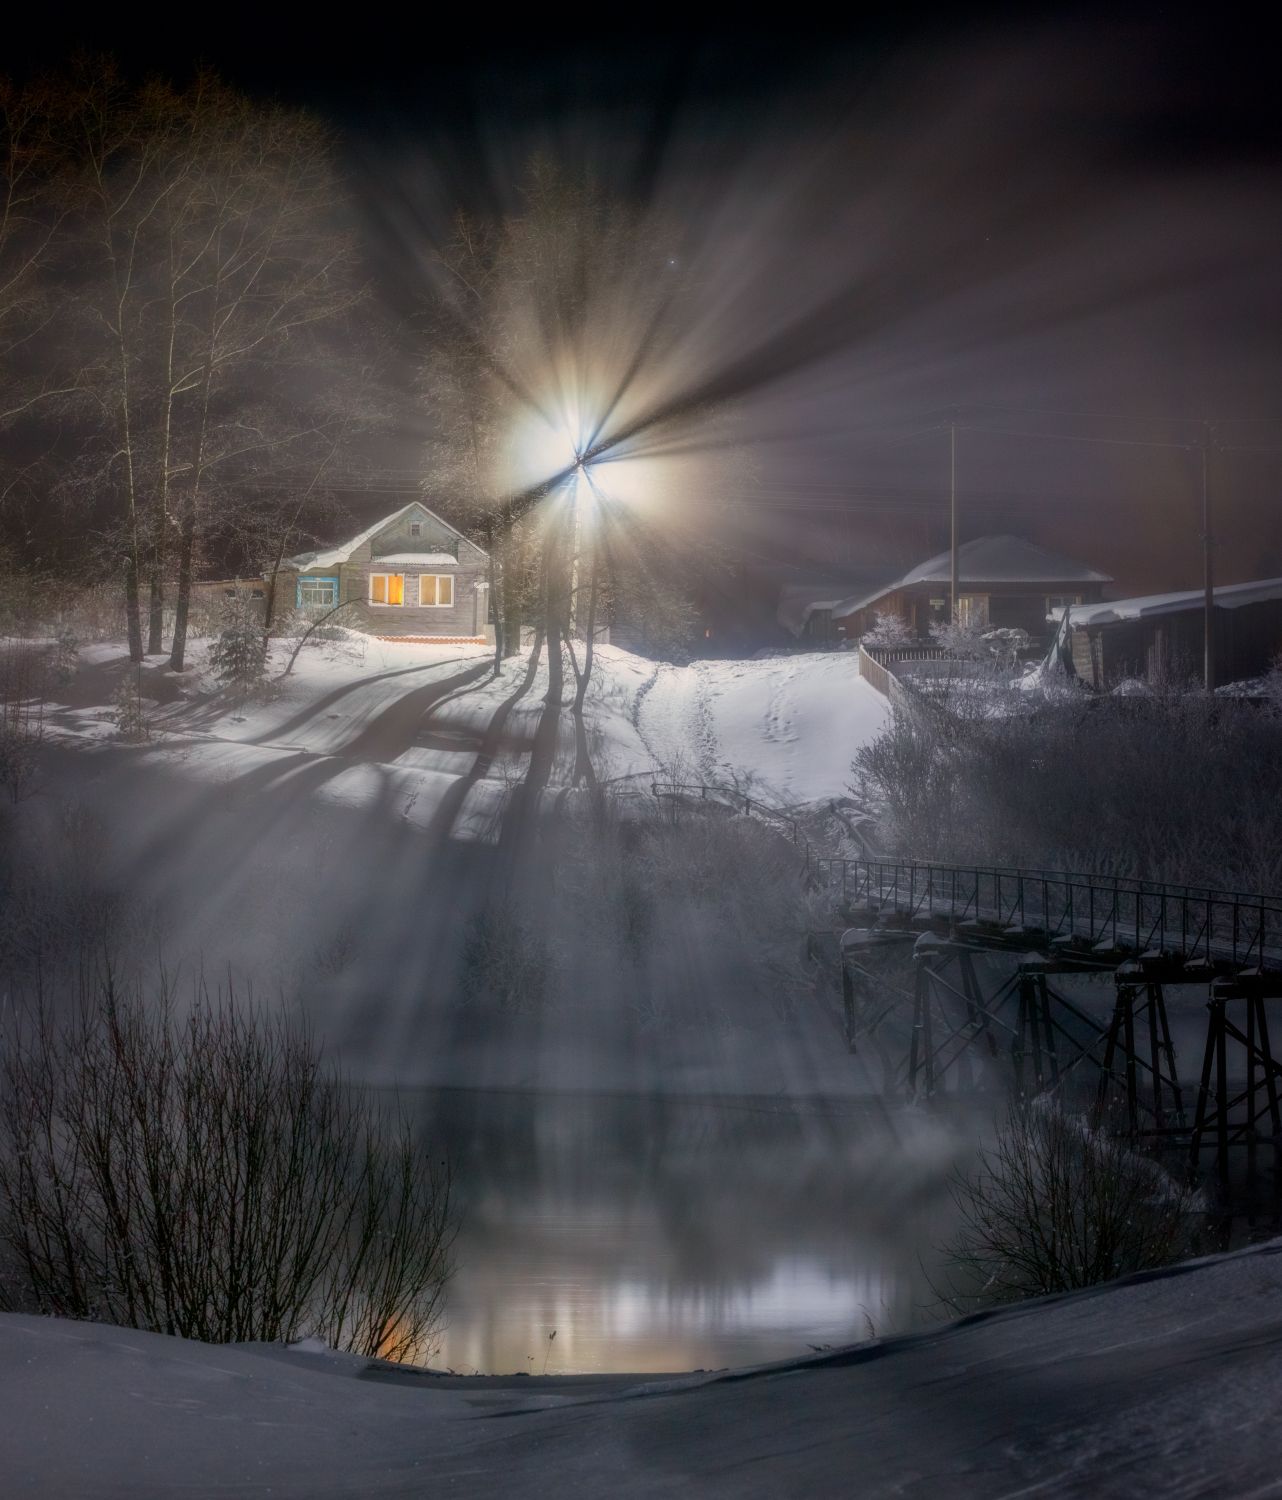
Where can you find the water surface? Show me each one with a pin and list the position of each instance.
(606, 1232)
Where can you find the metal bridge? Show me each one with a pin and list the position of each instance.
(960, 922)
(1149, 936)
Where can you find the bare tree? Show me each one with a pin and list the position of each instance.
(214, 259)
(34, 205)
(212, 1178)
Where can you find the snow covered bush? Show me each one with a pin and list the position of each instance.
(1006, 644)
(966, 642)
(210, 1177)
(1053, 1206)
(238, 656)
(66, 655)
(889, 630)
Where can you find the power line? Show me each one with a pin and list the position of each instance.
(1077, 437)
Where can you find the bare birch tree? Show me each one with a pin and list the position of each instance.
(216, 259)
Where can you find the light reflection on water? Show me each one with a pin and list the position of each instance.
(661, 1234)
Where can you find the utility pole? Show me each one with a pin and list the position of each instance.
(952, 517)
(1208, 566)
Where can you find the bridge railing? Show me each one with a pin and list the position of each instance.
(1119, 914)
(730, 797)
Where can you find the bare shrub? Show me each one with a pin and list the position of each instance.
(24, 678)
(1169, 786)
(683, 908)
(507, 960)
(1054, 1206)
(212, 1178)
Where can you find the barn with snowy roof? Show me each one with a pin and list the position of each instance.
(1004, 582)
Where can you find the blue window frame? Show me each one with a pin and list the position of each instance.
(315, 593)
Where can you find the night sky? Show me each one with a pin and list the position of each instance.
(1063, 233)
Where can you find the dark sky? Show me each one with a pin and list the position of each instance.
(1062, 230)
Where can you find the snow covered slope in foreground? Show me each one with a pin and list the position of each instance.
(1166, 1384)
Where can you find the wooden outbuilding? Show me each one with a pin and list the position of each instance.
(1161, 637)
(1005, 582)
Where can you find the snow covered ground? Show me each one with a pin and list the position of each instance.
(789, 725)
(412, 719)
(1164, 1384)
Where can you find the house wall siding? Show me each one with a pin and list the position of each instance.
(466, 616)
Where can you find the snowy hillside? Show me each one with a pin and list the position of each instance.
(1165, 1384)
(427, 716)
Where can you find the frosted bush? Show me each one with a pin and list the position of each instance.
(889, 630)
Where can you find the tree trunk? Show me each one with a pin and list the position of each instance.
(511, 594)
(552, 630)
(186, 546)
(589, 643)
(269, 603)
(156, 601)
(494, 601)
(133, 609)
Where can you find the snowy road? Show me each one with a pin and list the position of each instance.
(1166, 1384)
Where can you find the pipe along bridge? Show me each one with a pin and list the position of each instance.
(963, 924)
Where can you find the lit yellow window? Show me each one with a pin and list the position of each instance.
(387, 588)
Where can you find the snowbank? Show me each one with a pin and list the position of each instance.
(787, 725)
(1166, 1383)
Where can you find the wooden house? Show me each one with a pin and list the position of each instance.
(1161, 637)
(410, 574)
(1004, 582)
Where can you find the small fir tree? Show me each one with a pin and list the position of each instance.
(239, 654)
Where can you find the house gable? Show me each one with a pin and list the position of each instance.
(414, 530)
(394, 534)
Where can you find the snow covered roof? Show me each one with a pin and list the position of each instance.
(798, 601)
(1227, 596)
(332, 556)
(422, 559)
(989, 559)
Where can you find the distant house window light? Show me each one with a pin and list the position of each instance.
(387, 588)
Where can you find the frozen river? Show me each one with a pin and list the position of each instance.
(624, 1232)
